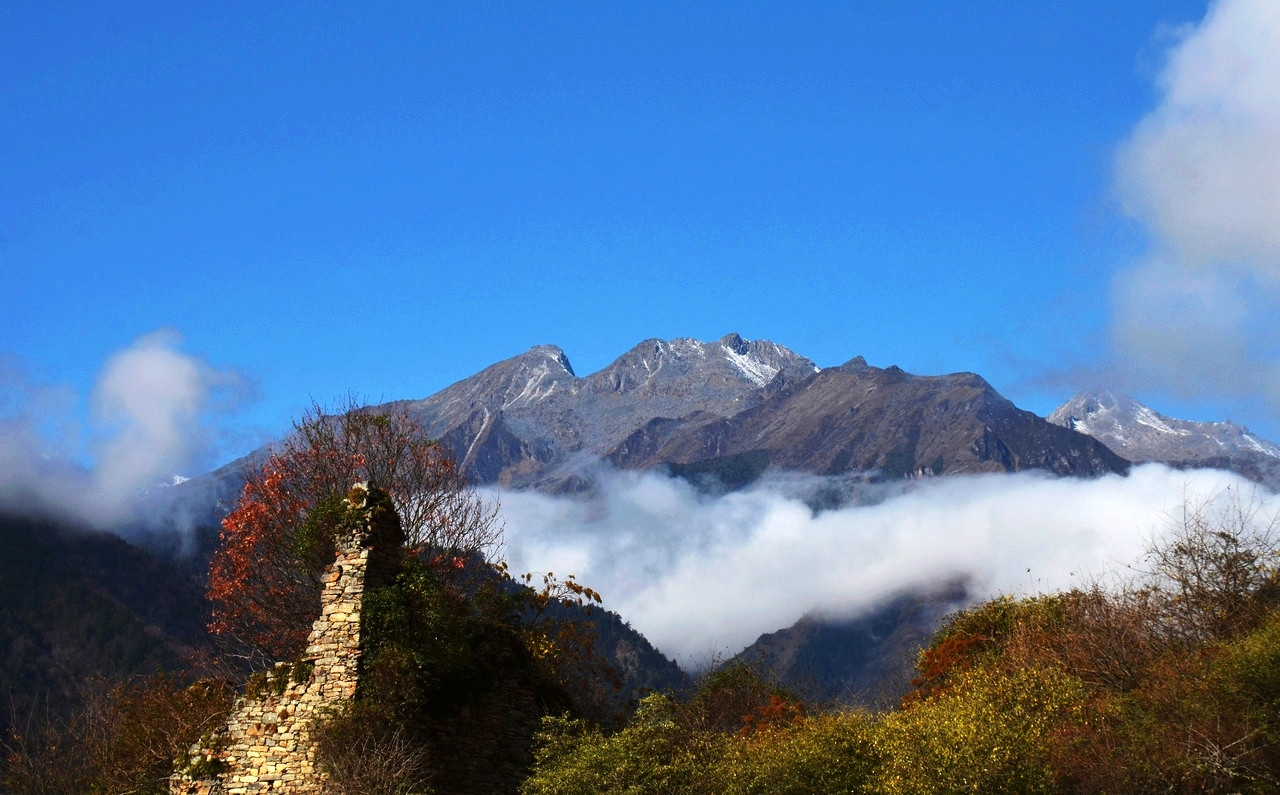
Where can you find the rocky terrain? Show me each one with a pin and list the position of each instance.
(883, 423)
(1141, 434)
(724, 411)
(733, 408)
(530, 421)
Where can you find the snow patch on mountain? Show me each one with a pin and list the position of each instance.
(533, 390)
(1147, 417)
(1142, 434)
(756, 370)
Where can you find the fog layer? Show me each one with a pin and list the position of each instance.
(701, 575)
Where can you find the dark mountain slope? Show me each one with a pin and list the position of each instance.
(858, 418)
(866, 660)
(75, 604)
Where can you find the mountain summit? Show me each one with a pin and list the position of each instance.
(882, 423)
(732, 408)
(531, 421)
(1141, 434)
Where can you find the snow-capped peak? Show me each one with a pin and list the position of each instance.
(1142, 434)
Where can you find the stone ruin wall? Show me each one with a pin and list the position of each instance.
(266, 745)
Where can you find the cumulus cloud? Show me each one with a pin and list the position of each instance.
(1200, 172)
(148, 419)
(699, 575)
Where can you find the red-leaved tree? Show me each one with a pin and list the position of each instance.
(264, 577)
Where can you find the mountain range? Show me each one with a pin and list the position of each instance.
(733, 408)
(721, 414)
(726, 411)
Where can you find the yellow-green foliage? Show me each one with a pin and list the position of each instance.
(1252, 666)
(656, 754)
(829, 754)
(987, 733)
(979, 635)
(651, 755)
(997, 618)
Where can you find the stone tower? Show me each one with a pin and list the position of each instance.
(266, 745)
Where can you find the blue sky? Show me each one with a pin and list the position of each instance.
(298, 200)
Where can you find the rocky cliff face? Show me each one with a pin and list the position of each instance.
(732, 408)
(531, 421)
(1141, 434)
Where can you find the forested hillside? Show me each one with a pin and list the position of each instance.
(77, 604)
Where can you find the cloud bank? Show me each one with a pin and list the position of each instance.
(148, 419)
(702, 575)
(1201, 172)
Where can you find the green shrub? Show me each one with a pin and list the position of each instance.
(651, 755)
(989, 732)
(827, 754)
(427, 647)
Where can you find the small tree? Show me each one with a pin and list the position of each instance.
(1218, 566)
(264, 577)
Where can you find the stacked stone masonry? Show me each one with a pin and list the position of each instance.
(266, 746)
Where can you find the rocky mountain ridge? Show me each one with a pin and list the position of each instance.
(530, 421)
(1142, 434)
(732, 408)
(884, 423)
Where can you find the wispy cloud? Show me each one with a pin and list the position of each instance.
(701, 575)
(148, 419)
(1201, 173)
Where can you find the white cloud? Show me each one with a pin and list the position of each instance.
(699, 575)
(149, 416)
(1201, 169)
(1202, 173)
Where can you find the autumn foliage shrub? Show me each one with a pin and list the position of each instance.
(824, 753)
(363, 748)
(988, 732)
(264, 576)
(653, 753)
(972, 636)
(736, 733)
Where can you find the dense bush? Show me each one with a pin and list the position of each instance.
(827, 753)
(365, 748)
(989, 732)
(654, 753)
